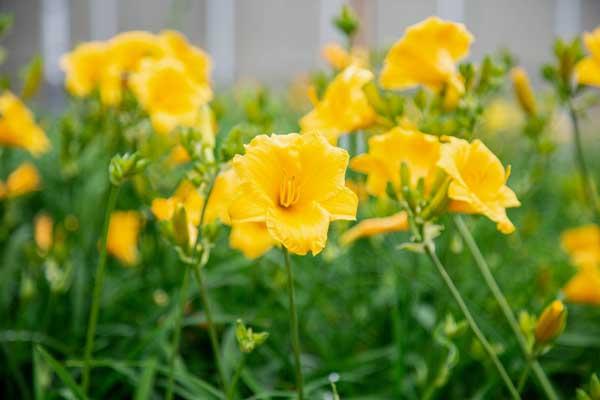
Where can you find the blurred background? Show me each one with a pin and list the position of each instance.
(275, 40)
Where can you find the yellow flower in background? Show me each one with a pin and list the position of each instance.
(587, 71)
(18, 127)
(584, 287)
(43, 227)
(551, 323)
(127, 50)
(196, 61)
(344, 107)
(427, 55)
(186, 195)
(23, 180)
(123, 232)
(388, 151)
(376, 226)
(340, 58)
(583, 245)
(295, 184)
(166, 91)
(251, 238)
(179, 155)
(502, 115)
(478, 184)
(523, 90)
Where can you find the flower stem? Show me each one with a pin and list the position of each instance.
(236, 377)
(586, 179)
(504, 306)
(399, 329)
(523, 378)
(98, 287)
(183, 294)
(294, 325)
(471, 321)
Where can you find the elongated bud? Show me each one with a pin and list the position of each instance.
(181, 231)
(123, 167)
(347, 21)
(523, 90)
(551, 323)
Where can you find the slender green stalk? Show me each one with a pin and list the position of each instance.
(399, 329)
(183, 294)
(586, 179)
(471, 321)
(504, 306)
(523, 378)
(294, 324)
(236, 377)
(98, 287)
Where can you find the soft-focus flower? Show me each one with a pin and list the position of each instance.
(376, 226)
(344, 107)
(126, 50)
(583, 245)
(523, 90)
(196, 61)
(587, 71)
(388, 151)
(295, 184)
(502, 115)
(166, 91)
(427, 55)
(584, 287)
(123, 235)
(340, 58)
(25, 179)
(551, 323)
(478, 182)
(18, 127)
(179, 155)
(251, 238)
(43, 227)
(186, 195)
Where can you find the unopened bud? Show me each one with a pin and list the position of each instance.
(123, 167)
(551, 323)
(347, 21)
(248, 340)
(181, 228)
(523, 90)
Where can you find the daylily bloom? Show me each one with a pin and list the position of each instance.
(43, 227)
(478, 184)
(128, 49)
(523, 90)
(251, 238)
(427, 55)
(166, 91)
(23, 180)
(196, 61)
(388, 151)
(587, 71)
(340, 58)
(123, 235)
(376, 226)
(344, 108)
(584, 287)
(583, 245)
(18, 127)
(295, 184)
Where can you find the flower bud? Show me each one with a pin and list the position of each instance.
(551, 323)
(248, 340)
(181, 228)
(123, 167)
(347, 21)
(523, 90)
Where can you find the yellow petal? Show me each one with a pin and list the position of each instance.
(23, 180)
(584, 287)
(123, 234)
(587, 72)
(376, 226)
(251, 238)
(342, 205)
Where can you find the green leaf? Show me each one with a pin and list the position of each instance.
(60, 371)
(144, 387)
(6, 21)
(32, 76)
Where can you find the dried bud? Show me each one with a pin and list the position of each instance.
(523, 90)
(551, 323)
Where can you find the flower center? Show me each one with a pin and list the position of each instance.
(289, 193)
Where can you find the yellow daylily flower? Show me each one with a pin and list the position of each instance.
(295, 184)
(584, 287)
(186, 195)
(523, 90)
(251, 238)
(427, 55)
(478, 184)
(196, 61)
(344, 108)
(127, 50)
(25, 179)
(123, 232)
(587, 71)
(18, 127)
(388, 151)
(166, 91)
(583, 245)
(43, 227)
(376, 226)
(340, 58)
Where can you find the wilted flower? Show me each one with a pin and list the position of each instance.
(583, 245)
(584, 287)
(123, 235)
(166, 91)
(376, 226)
(23, 180)
(427, 55)
(18, 127)
(344, 107)
(295, 184)
(388, 151)
(478, 184)
(523, 90)
(43, 227)
(551, 323)
(587, 71)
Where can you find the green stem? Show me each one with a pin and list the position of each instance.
(523, 378)
(471, 321)
(98, 287)
(236, 377)
(294, 324)
(183, 294)
(586, 179)
(504, 306)
(399, 335)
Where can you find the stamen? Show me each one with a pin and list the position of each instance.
(288, 192)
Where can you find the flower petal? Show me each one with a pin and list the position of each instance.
(341, 205)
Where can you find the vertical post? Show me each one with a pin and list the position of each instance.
(220, 39)
(55, 37)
